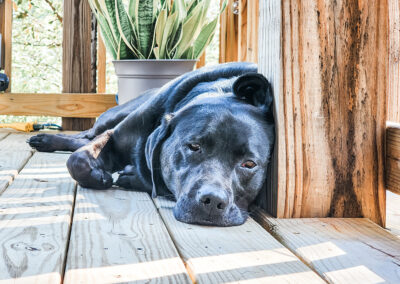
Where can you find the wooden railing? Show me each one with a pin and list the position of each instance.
(238, 42)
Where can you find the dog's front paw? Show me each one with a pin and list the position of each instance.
(41, 142)
(127, 177)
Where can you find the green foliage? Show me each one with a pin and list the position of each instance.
(155, 29)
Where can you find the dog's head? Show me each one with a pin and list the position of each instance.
(212, 155)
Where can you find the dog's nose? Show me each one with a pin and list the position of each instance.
(213, 199)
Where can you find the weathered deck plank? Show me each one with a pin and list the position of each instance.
(16, 142)
(393, 213)
(35, 215)
(234, 254)
(11, 161)
(340, 250)
(3, 135)
(118, 236)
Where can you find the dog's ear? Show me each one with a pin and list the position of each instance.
(153, 151)
(255, 89)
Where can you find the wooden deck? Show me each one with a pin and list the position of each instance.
(52, 230)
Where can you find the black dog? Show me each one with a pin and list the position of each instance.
(206, 138)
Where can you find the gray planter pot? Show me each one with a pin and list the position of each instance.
(137, 76)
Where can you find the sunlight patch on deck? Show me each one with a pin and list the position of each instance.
(324, 249)
(357, 272)
(150, 270)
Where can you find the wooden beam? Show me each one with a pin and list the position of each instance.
(238, 254)
(77, 59)
(101, 65)
(330, 105)
(228, 42)
(340, 250)
(64, 105)
(6, 15)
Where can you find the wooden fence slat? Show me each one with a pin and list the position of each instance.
(243, 30)
(101, 64)
(118, 236)
(233, 254)
(330, 105)
(6, 11)
(344, 250)
(35, 215)
(252, 30)
(202, 61)
(65, 105)
(228, 43)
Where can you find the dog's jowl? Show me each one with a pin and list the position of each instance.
(205, 138)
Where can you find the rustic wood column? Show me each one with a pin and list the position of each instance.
(6, 15)
(328, 63)
(77, 59)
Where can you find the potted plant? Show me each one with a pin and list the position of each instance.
(153, 41)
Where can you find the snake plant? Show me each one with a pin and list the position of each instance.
(155, 29)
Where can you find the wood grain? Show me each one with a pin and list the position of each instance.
(35, 217)
(393, 157)
(242, 254)
(65, 105)
(393, 213)
(340, 250)
(3, 135)
(243, 30)
(118, 236)
(11, 162)
(252, 30)
(228, 42)
(6, 16)
(77, 59)
(330, 106)
(202, 61)
(393, 106)
(16, 142)
(101, 65)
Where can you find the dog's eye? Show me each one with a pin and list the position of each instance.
(194, 147)
(248, 164)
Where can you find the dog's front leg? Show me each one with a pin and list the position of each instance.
(88, 164)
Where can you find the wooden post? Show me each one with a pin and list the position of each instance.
(228, 43)
(77, 59)
(6, 10)
(328, 63)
